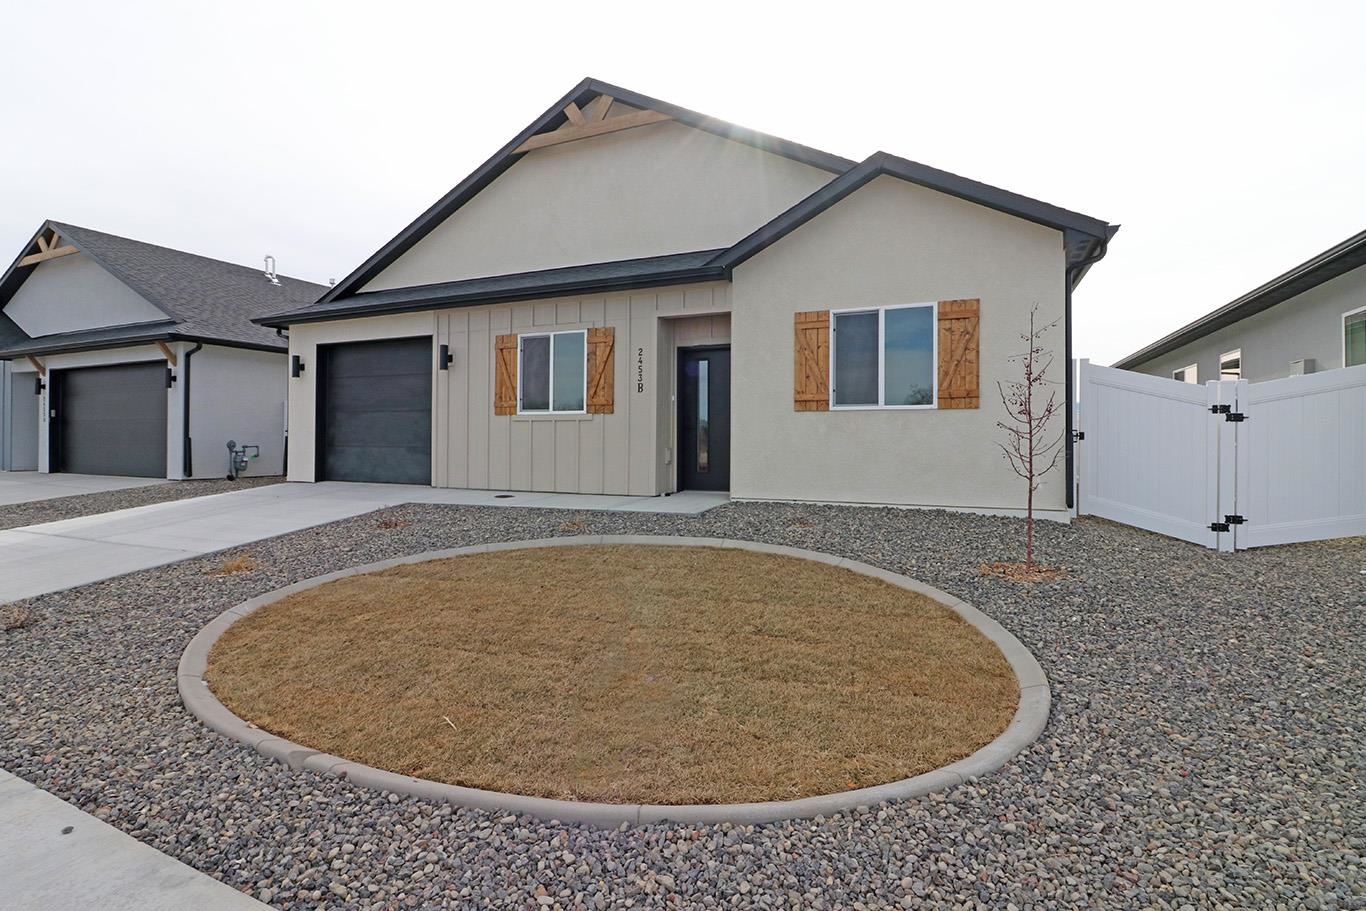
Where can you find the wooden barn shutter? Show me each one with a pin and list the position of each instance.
(601, 369)
(959, 360)
(811, 383)
(505, 374)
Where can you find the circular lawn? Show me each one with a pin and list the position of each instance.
(621, 673)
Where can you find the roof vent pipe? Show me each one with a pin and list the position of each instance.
(270, 270)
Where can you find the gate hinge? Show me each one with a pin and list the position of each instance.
(1228, 522)
(1078, 435)
(1228, 413)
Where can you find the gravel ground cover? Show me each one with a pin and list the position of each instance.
(1206, 746)
(89, 504)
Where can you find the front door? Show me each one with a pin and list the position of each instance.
(704, 418)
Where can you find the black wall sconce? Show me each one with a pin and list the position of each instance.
(38, 385)
(296, 365)
(445, 358)
(170, 377)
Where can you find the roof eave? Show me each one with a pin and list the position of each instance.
(53, 348)
(1316, 271)
(477, 298)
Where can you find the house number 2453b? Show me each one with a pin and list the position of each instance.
(640, 370)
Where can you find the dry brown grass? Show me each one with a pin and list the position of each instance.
(15, 616)
(1020, 572)
(238, 563)
(621, 673)
(391, 523)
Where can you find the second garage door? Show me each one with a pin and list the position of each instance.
(112, 420)
(375, 402)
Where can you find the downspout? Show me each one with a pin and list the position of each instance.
(187, 454)
(1068, 432)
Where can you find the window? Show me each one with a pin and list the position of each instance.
(553, 372)
(884, 357)
(1354, 338)
(1231, 365)
(1186, 374)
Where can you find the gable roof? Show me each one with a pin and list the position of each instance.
(1085, 238)
(551, 119)
(1336, 260)
(1082, 234)
(204, 299)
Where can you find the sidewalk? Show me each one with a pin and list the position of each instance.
(38, 559)
(53, 856)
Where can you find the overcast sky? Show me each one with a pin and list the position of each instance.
(1227, 139)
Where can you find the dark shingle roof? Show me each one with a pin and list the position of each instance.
(650, 271)
(204, 299)
(1336, 260)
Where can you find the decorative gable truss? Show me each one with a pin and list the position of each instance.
(591, 120)
(48, 245)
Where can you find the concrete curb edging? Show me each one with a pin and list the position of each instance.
(1030, 716)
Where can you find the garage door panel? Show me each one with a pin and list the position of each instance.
(112, 420)
(377, 411)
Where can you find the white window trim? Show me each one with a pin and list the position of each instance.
(881, 357)
(550, 334)
(1228, 356)
(1192, 371)
(1343, 339)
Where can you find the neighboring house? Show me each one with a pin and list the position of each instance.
(1310, 319)
(633, 298)
(126, 358)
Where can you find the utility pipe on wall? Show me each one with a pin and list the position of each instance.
(187, 455)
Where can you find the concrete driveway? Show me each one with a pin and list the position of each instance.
(38, 559)
(28, 486)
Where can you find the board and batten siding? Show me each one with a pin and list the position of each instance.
(472, 447)
(890, 242)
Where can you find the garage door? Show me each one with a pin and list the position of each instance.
(376, 410)
(112, 420)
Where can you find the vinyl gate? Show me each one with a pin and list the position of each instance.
(1229, 464)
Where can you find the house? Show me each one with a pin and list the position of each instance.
(102, 337)
(1309, 319)
(633, 298)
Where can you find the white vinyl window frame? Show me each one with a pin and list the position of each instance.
(933, 307)
(1344, 331)
(1189, 374)
(521, 361)
(1235, 354)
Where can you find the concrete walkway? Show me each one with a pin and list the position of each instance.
(29, 486)
(52, 855)
(38, 559)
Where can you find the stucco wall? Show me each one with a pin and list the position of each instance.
(618, 453)
(74, 292)
(237, 394)
(1308, 325)
(890, 242)
(652, 190)
(18, 420)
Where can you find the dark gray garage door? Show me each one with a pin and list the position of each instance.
(112, 420)
(375, 403)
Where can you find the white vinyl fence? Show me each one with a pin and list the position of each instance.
(1229, 464)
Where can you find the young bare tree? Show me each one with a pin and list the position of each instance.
(1031, 403)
